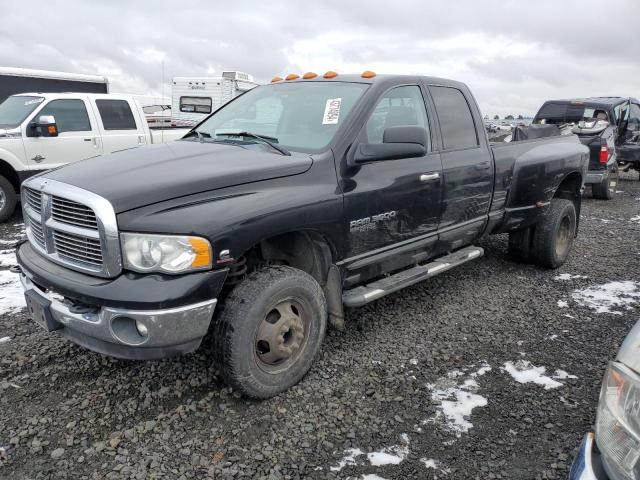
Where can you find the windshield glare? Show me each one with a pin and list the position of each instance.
(14, 110)
(303, 116)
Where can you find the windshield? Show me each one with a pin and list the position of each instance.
(14, 110)
(569, 112)
(303, 116)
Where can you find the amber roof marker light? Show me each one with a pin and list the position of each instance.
(330, 74)
(368, 74)
(292, 76)
(276, 79)
(309, 75)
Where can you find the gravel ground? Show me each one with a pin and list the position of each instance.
(489, 371)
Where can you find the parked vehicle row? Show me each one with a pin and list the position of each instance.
(39, 132)
(609, 126)
(289, 203)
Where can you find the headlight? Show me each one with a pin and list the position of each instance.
(144, 252)
(618, 422)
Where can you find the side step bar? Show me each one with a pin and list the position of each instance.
(362, 295)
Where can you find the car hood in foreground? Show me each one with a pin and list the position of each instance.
(147, 175)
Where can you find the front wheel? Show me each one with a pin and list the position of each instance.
(606, 189)
(554, 234)
(8, 199)
(270, 331)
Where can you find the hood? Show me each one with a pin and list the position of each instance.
(142, 176)
(629, 353)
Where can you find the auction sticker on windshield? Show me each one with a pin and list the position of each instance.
(332, 111)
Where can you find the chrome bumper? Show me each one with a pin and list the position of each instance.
(595, 177)
(587, 464)
(113, 331)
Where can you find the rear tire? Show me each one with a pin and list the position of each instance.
(270, 331)
(8, 199)
(554, 234)
(606, 189)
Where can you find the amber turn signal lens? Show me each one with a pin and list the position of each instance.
(203, 253)
(51, 129)
(309, 75)
(330, 74)
(292, 76)
(276, 79)
(368, 74)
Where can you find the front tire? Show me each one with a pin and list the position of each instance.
(270, 331)
(554, 234)
(606, 189)
(8, 199)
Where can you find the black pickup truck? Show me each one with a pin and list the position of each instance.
(287, 204)
(609, 126)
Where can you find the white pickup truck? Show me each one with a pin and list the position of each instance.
(40, 131)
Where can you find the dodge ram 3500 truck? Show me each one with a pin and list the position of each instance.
(287, 204)
(41, 131)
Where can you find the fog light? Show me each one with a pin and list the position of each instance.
(142, 330)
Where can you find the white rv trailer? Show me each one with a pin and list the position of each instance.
(24, 80)
(193, 98)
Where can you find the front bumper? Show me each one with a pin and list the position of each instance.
(587, 464)
(107, 315)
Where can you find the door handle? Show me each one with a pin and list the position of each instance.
(87, 139)
(428, 177)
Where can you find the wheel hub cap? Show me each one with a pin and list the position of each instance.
(281, 333)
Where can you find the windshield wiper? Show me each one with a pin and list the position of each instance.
(199, 134)
(263, 138)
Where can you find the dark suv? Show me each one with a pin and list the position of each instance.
(609, 126)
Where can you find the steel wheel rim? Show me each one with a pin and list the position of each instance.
(613, 182)
(563, 238)
(3, 199)
(282, 335)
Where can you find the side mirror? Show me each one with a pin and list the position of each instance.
(45, 126)
(398, 142)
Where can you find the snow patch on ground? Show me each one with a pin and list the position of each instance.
(523, 371)
(7, 258)
(392, 455)
(434, 464)
(11, 295)
(609, 297)
(568, 276)
(456, 399)
(372, 476)
(635, 219)
(4, 340)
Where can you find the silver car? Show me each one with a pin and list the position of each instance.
(613, 452)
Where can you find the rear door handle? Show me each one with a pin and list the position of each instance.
(428, 177)
(87, 139)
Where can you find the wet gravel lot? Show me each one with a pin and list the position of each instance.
(489, 371)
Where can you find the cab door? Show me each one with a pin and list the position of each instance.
(392, 205)
(467, 167)
(77, 139)
(120, 127)
(629, 149)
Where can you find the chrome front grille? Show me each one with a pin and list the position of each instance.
(78, 248)
(71, 226)
(34, 199)
(36, 230)
(73, 213)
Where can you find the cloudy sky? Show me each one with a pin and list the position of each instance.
(513, 54)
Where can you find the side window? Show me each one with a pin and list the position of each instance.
(456, 121)
(116, 115)
(195, 104)
(621, 111)
(70, 115)
(399, 106)
(634, 117)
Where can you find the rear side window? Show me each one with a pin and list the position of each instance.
(71, 115)
(456, 121)
(195, 104)
(116, 115)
